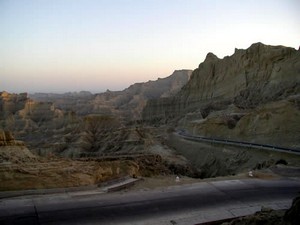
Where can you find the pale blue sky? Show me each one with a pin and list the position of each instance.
(73, 45)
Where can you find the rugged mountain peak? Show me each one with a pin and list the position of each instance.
(260, 68)
(257, 45)
(210, 57)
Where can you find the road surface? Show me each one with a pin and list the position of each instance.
(185, 204)
(186, 135)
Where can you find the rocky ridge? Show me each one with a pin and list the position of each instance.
(126, 104)
(130, 102)
(252, 95)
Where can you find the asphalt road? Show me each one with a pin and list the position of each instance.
(186, 135)
(185, 204)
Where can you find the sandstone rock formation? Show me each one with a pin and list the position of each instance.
(7, 139)
(31, 121)
(253, 94)
(57, 122)
(11, 103)
(20, 169)
(69, 126)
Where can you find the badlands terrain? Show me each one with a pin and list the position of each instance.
(76, 139)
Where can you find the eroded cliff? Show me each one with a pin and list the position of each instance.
(21, 169)
(253, 94)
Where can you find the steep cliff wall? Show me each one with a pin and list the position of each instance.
(245, 75)
(248, 78)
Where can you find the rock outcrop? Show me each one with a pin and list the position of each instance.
(21, 169)
(7, 139)
(15, 107)
(11, 103)
(31, 121)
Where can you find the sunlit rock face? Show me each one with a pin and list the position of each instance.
(228, 94)
(7, 139)
(11, 103)
(20, 113)
(30, 121)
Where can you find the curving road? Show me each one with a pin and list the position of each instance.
(185, 135)
(186, 204)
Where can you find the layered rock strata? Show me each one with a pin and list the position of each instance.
(7, 139)
(247, 79)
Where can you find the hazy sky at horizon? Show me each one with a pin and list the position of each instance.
(73, 45)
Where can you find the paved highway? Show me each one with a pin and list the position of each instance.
(185, 204)
(188, 136)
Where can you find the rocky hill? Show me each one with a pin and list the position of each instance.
(253, 95)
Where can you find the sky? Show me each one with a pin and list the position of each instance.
(95, 45)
